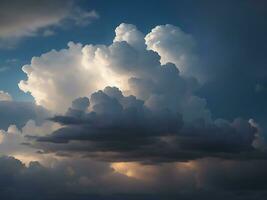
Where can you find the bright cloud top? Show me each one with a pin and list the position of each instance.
(58, 77)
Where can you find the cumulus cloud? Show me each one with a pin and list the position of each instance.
(58, 77)
(154, 106)
(20, 19)
(133, 106)
(176, 46)
(55, 78)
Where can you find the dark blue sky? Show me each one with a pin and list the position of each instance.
(230, 35)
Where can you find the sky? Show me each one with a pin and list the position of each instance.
(133, 99)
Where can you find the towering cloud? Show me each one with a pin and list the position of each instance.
(152, 107)
(126, 119)
(58, 77)
(174, 45)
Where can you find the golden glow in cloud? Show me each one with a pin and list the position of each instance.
(48, 160)
(1, 137)
(134, 170)
(149, 172)
(26, 158)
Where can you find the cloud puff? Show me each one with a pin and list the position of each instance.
(175, 46)
(4, 96)
(27, 18)
(55, 78)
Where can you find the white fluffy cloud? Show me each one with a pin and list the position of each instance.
(174, 45)
(4, 96)
(58, 77)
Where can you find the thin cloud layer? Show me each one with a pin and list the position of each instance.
(27, 18)
(4, 96)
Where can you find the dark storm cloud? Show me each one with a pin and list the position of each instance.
(19, 181)
(18, 113)
(232, 175)
(35, 181)
(122, 128)
(73, 179)
(83, 179)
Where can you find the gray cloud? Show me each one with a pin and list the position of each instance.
(38, 182)
(70, 179)
(18, 113)
(83, 179)
(27, 18)
(122, 128)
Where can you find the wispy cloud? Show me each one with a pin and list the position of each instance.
(3, 69)
(27, 18)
